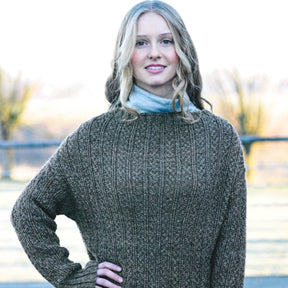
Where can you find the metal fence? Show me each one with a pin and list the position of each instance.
(28, 144)
(48, 143)
(40, 156)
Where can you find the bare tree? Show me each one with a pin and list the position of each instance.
(14, 96)
(241, 102)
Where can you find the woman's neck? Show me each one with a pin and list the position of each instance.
(164, 91)
(146, 102)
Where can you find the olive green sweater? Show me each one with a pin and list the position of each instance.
(164, 199)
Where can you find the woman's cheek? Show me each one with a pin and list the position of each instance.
(175, 57)
(135, 58)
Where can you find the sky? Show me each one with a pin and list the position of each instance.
(65, 42)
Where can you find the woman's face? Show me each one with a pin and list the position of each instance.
(154, 60)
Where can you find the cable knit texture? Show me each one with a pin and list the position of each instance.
(164, 199)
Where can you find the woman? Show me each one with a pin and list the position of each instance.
(156, 185)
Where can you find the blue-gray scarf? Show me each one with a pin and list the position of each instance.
(147, 102)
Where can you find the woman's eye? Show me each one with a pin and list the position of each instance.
(140, 43)
(167, 41)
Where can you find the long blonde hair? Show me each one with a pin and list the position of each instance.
(188, 78)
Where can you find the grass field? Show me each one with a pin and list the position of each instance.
(267, 235)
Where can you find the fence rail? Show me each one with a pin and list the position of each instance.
(7, 165)
(42, 144)
(28, 144)
(253, 138)
(250, 282)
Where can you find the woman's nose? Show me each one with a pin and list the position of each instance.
(154, 52)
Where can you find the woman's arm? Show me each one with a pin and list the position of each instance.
(228, 263)
(33, 215)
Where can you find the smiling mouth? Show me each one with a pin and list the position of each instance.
(155, 68)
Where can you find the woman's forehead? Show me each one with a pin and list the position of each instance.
(151, 22)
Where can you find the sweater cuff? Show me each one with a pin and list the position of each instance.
(84, 278)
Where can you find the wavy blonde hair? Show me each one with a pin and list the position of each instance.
(187, 79)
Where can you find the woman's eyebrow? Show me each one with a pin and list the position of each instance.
(161, 35)
(166, 34)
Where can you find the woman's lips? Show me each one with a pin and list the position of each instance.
(155, 69)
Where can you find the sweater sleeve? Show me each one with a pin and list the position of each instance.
(228, 262)
(33, 217)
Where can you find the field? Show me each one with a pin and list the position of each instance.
(267, 237)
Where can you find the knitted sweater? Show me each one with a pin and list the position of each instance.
(163, 199)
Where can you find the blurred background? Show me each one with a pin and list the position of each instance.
(54, 60)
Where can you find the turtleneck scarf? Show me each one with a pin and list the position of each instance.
(147, 102)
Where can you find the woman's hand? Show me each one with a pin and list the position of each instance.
(105, 273)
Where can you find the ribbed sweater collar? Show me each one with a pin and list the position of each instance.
(147, 102)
